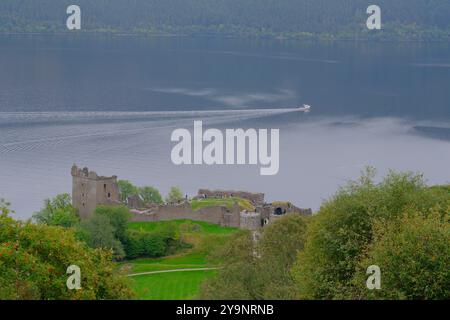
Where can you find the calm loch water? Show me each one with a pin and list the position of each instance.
(111, 103)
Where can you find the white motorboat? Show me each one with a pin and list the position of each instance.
(305, 108)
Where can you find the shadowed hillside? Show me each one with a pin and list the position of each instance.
(417, 19)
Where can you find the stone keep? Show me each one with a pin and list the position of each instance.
(90, 190)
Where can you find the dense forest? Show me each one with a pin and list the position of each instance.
(408, 19)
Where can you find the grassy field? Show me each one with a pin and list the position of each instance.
(170, 286)
(180, 285)
(188, 260)
(183, 226)
(228, 202)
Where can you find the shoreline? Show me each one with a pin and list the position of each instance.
(222, 36)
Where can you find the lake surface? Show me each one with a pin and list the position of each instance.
(111, 103)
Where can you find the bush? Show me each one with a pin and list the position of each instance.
(34, 261)
(144, 244)
(150, 244)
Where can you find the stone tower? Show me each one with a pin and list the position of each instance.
(90, 190)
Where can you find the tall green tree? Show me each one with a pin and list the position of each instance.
(118, 217)
(236, 279)
(413, 255)
(341, 232)
(4, 207)
(98, 232)
(262, 269)
(127, 189)
(280, 243)
(34, 261)
(175, 195)
(150, 195)
(58, 211)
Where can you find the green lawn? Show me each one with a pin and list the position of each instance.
(205, 227)
(170, 286)
(176, 285)
(183, 261)
(228, 202)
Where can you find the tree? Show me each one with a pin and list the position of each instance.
(4, 208)
(413, 255)
(106, 228)
(34, 260)
(259, 270)
(118, 217)
(98, 232)
(240, 17)
(236, 278)
(340, 233)
(175, 195)
(280, 243)
(126, 189)
(58, 212)
(150, 195)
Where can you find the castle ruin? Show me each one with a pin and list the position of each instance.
(90, 190)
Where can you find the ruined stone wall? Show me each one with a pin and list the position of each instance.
(256, 198)
(251, 221)
(219, 215)
(286, 208)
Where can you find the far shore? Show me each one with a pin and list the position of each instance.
(219, 35)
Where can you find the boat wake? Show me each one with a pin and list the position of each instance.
(28, 131)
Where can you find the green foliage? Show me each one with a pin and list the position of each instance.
(145, 244)
(141, 243)
(106, 228)
(261, 270)
(304, 19)
(413, 255)
(236, 280)
(338, 237)
(278, 248)
(58, 212)
(175, 195)
(147, 194)
(150, 195)
(4, 208)
(34, 260)
(195, 241)
(98, 232)
(118, 217)
(127, 189)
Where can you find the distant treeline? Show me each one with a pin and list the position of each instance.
(407, 19)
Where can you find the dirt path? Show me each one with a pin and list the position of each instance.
(174, 270)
